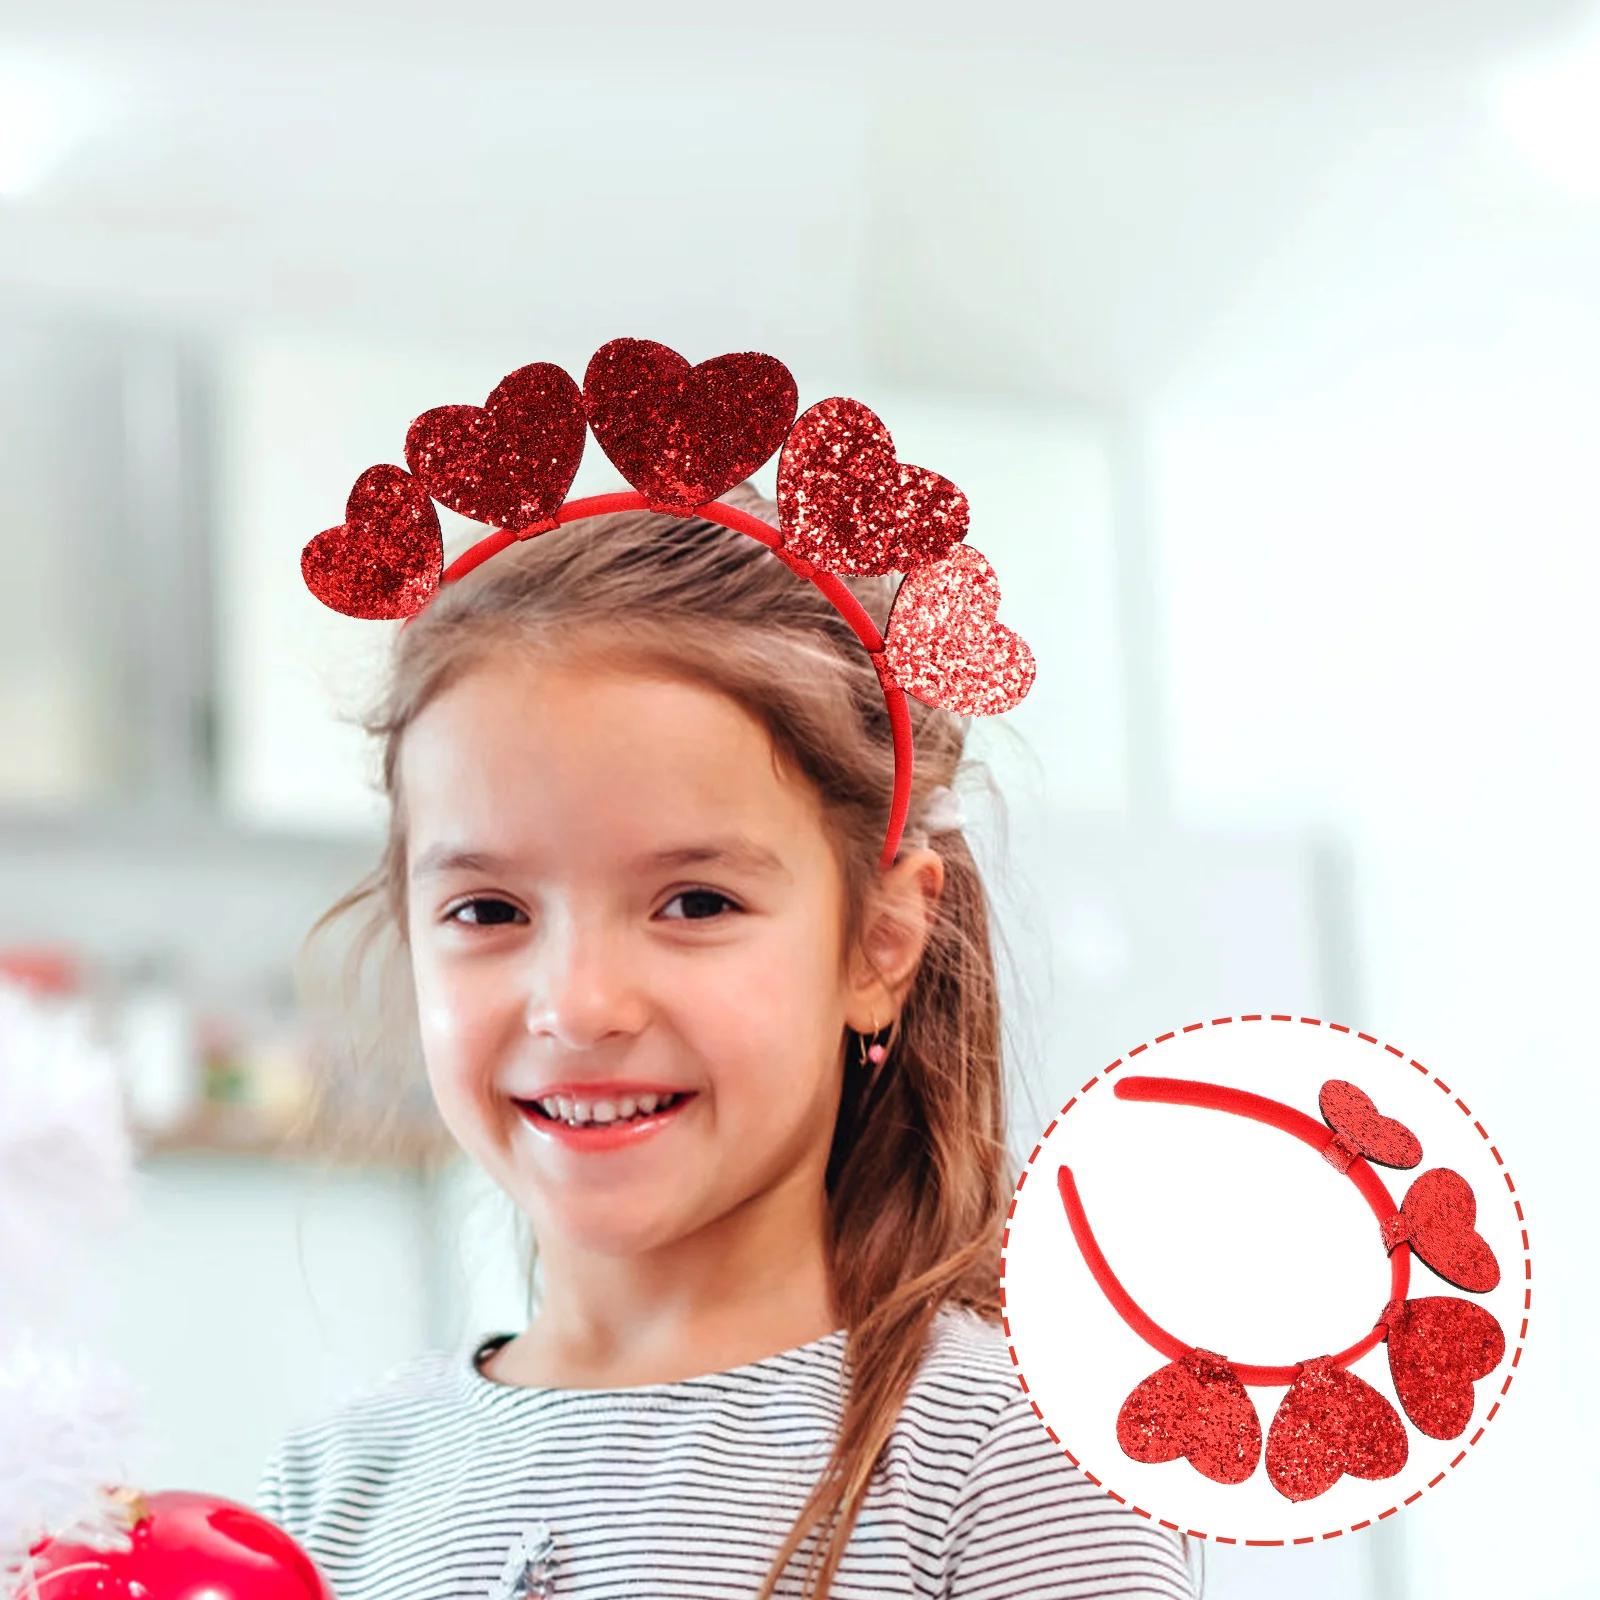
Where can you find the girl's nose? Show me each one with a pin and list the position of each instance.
(581, 989)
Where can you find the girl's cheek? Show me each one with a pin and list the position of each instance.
(459, 1016)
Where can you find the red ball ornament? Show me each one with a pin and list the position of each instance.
(184, 1546)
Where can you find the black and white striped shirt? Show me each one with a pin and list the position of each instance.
(443, 1485)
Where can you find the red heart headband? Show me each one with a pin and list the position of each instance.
(682, 436)
(1330, 1422)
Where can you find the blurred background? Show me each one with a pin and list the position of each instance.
(1265, 341)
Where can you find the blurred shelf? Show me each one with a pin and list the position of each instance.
(237, 1133)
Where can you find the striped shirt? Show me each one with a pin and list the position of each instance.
(441, 1484)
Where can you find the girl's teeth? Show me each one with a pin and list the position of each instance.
(580, 1113)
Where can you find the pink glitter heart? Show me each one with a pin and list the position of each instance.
(510, 461)
(684, 435)
(944, 644)
(386, 558)
(847, 505)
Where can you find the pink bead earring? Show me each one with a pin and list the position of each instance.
(877, 1052)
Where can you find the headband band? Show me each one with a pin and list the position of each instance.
(1331, 1421)
(1241, 1103)
(683, 436)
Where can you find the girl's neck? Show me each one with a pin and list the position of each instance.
(755, 1283)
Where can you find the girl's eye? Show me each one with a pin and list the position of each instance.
(486, 911)
(696, 905)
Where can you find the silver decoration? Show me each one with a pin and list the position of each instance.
(530, 1567)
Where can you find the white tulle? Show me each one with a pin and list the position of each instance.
(64, 1148)
(67, 1420)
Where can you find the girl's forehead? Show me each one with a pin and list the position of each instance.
(526, 749)
(560, 713)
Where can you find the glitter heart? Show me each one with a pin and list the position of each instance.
(1352, 1115)
(847, 505)
(684, 435)
(944, 645)
(386, 558)
(1439, 1347)
(1329, 1423)
(511, 460)
(1194, 1407)
(1436, 1218)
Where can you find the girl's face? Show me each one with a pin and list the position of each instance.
(627, 933)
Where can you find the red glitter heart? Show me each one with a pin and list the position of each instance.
(944, 645)
(1437, 1217)
(684, 435)
(1195, 1407)
(1352, 1115)
(847, 505)
(510, 461)
(386, 558)
(1329, 1423)
(1439, 1347)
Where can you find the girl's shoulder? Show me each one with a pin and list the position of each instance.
(966, 1365)
(369, 1424)
(964, 1403)
(421, 1382)
(965, 1343)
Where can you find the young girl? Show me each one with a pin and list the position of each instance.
(745, 1086)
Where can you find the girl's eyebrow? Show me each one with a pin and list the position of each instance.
(736, 852)
(440, 858)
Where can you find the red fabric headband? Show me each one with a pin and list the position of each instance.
(1331, 1421)
(682, 436)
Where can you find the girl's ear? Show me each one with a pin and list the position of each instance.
(894, 932)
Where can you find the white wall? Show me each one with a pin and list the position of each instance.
(1380, 498)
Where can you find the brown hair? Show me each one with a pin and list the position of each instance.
(917, 1178)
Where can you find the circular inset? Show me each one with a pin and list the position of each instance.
(1267, 1280)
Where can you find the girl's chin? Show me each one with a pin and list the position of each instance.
(617, 1225)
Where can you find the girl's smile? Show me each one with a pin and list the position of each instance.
(604, 1116)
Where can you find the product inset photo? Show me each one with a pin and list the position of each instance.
(1241, 1340)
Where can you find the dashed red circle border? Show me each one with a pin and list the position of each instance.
(1527, 1275)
